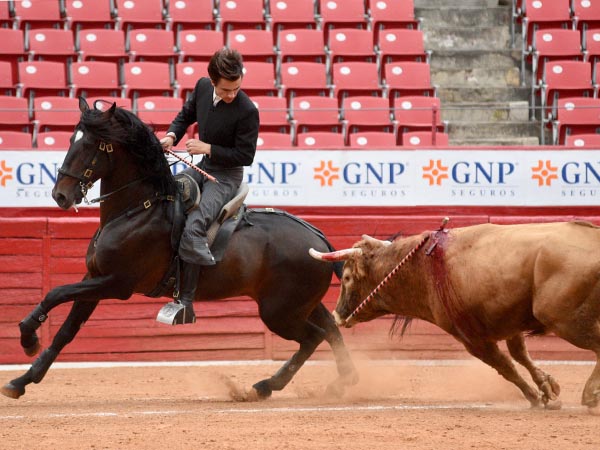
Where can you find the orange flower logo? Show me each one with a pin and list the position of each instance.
(326, 173)
(544, 173)
(435, 172)
(5, 173)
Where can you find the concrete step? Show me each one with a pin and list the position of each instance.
(474, 77)
(486, 112)
(461, 59)
(467, 38)
(448, 16)
(463, 94)
(492, 130)
(529, 141)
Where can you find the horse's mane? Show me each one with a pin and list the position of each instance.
(135, 137)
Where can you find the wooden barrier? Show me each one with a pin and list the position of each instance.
(39, 253)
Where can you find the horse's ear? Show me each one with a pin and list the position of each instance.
(83, 104)
(110, 111)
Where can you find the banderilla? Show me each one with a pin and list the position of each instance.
(197, 169)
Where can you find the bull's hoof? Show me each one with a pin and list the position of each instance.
(12, 391)
(262, 389)
(33, 349)
(553, 405)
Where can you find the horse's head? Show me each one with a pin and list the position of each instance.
(88, 158)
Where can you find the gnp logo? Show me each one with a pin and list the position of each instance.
(468, 172)
(359, 174)
(5, 173)
(573, 173)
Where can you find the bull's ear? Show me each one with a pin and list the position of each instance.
(83, 104)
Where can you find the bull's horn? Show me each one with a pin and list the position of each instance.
(339, 255)
(366, 237)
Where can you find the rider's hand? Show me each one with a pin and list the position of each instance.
(197, 147)
(167, 142)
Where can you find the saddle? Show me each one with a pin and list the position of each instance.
(218, 234)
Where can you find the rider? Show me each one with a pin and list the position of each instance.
(228, 124)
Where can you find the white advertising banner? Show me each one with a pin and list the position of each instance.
(540, 177)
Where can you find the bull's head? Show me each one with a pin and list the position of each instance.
(356, 280)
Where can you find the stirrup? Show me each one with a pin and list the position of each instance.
(175, 313)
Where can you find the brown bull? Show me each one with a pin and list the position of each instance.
(484, 284)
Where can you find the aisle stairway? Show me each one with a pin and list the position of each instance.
(477, 72)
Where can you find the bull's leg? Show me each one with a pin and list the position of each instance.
(80, 312)
(489, 353)
(547, 384)
(348, 375)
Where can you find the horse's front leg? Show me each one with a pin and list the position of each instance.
(80, 313)
(89, 289)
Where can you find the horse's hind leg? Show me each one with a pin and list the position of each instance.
(80, 312)
(348, 375)
(547, 384)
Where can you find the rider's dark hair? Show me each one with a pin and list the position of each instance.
(225, 63)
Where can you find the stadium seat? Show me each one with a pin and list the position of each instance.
(350, 44)
(424, 139)
(314, 113)
(254, 45)
(37, 14)
(198, 45)
(540, 15)
(372, 139)
(52, 140)
(301, 45)
(583, 140)
(273, 113)
(15, 140)
(191, 14)
(575, 115)
(53, 113)
(12, 46)
(417, 113)
(355, 78)
(341, 14)
(320, 140)
(8, 85)
(273, 140)
(187, 75)
(392, 14)
(288, 14)
(6, 20)
(49, 44)
(591, 47)
(304, 78)
(365, 113)
(241, 14)
(259, 78)
(82, 14)
(14, 114)
(99, 44)
(140, 14)
(42, 78)
(407, 78)
(150, 44)
(396, 45)
(94, 78)
(586, 14)
(146, 78)
(157, 111)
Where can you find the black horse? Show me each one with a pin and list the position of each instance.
(131, 252)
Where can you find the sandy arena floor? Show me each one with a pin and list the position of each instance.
(396, 405)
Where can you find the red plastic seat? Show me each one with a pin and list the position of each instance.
(82, 14)
(424, 139)
(37, 14)
(50, 44)
(396, 45)
(286, 14)
(187, 75)
(43, 78)
(408, 78)
(55, 113)
(350, 44)
(191, 14)
(12, 46)
(320, 140)
(366, 113)
(150, 44)
(14, 113)
(273, 113)
(304, 78)
(583, 140)
(372, 139)
(259, 78)
(99, 44)
(315, 113)
(273, 140)
(140, 13)
(591, 46)
(255, 45)
(392, 14)
(7, 78)
(94, 78)
(15, 140)
(586, 14)
(575, 115)
(544, 14)
(301, 45)
(199, 45)
(355, 78)
(147, 78)
(158, 111)
(417, 113)
(6, 20)
(241, 14)
(53, 140)
(341, 14)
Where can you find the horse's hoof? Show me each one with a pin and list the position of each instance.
(335, 390)
(11, 391)
(33, 350)
(262, 390)
(553, 405)
(594, 410)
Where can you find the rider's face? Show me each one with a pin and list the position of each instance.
(227, 89)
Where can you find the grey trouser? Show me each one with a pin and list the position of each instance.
(193, 247)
